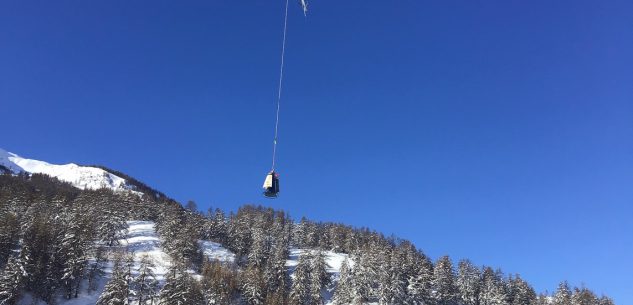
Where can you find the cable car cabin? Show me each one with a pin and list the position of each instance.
(271, 185)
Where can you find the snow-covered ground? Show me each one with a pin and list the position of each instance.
(82, 177)
(215, 251)
(141, 239)
(333, 260)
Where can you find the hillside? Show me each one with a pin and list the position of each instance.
(64, 240)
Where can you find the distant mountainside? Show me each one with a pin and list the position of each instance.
(80, 235)
(83, 177)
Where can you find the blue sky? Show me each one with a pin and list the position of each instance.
(499, 131)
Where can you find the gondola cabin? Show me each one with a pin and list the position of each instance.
(271, 185)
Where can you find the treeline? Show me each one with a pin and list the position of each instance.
(56, 240)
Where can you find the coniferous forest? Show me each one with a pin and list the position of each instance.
(57, 241)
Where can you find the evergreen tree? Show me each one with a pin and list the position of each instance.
(252, 286)
(492, 289)
(116, 291)
(445, 291)
(180, 288)
(562, 296)
(605, 300)
(583, 296)
(9, 233)
(276, 275)
(523, 293)
(365, 275)
(73, 249)
(420, 283)
(145, 284)
(319, 278)
(468, 283)
(96, 268)
(344, 292)
(11, 282)
(300, 290)
(218, 283)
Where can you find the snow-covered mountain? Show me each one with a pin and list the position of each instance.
(82, 177)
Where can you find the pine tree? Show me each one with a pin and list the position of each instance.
(605, 300)
(583, 296)
(444, 282)
(116, 291)
(73, 249)
(562, 295)
(11, 282)
(468, 283)
(276, 275)
(300, 290)
(96, 268)
(420, 283)
(492, 291)
(145, 284)
(523, 293)
(259, 251)
(365, 275)
(9, 234)
(399, 272)
(218, 283)
(180, 288)
(344, 292)
(319, 278)
(252, 286)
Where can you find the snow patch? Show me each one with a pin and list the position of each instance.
(334, 260)
(215, 251)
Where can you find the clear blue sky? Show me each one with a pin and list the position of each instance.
(499, 131)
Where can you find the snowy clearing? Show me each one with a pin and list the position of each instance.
(215, 251)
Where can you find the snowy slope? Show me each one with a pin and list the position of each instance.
(141, 239)
(215, 251)
(333, 260)
(82, 177)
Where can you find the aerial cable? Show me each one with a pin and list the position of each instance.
(271, 184)
(281, 77)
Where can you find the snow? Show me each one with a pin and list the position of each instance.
(215, 251)
(142, 240)
(82, 177)
(334, 261)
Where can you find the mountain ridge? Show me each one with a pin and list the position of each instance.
(80, 176)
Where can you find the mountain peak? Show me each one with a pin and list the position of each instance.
(82, 177)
